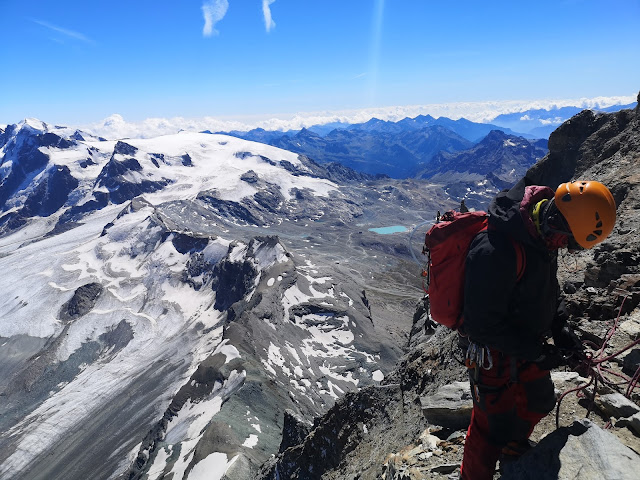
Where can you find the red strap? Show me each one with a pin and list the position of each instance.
(521, 259)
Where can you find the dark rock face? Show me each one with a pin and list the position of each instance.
(340, 173)
(584, 141)
(118, 338)
(27, 159)
(269, 199)
(184, 243)
(294, 431)
(632, 362)
(52, 193)
(231, 282)
(123, 148)
(186, 160)
(113, 178)
(337, 435)
(229, 209)
(46, 198)
(249, 177)
(83, 300)
(290, 167)
(121, 190)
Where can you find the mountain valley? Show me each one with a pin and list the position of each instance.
(199, 305)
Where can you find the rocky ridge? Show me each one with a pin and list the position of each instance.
(382, 431)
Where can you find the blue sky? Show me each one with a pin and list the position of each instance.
(75, 62)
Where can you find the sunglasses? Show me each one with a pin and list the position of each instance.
(554, 222)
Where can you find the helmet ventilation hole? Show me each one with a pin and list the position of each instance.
(566, 197)
(591, 237)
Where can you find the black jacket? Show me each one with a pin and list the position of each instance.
(499, 311)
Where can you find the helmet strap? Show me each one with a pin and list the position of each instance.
(536, 216)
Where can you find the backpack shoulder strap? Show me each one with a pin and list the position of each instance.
(521, 259)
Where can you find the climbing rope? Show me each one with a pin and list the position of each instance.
(592, 366)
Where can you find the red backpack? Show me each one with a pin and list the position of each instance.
(446, 245)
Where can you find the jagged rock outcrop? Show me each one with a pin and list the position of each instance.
(294, 430)
(121, 177)
(603, 147)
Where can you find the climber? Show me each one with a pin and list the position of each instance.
(463, 207)
(507, 320)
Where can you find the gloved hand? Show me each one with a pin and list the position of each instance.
(551, 358)
(566, 339)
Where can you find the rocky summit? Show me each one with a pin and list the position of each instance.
(203, 306)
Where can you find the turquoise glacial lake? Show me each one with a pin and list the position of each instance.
(388, 230)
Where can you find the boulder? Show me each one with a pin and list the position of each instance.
(583, 451)
(616, 405)
(631, 361)
(632, 326)
(449, 407)
(632, 422)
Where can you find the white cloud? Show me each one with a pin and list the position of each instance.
(525, 117)
(116, 126)
(551, 121)
(63, 31)
(266, 10)
(213, 11)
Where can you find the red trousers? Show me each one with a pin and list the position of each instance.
(508, 401)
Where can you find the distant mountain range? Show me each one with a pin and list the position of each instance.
(401, 149)
(405, 148)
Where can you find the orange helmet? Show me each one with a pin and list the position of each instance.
(589, 209)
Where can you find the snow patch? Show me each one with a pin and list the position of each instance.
(251, 442)
(212, 467)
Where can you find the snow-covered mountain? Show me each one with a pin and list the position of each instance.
(165, 300)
